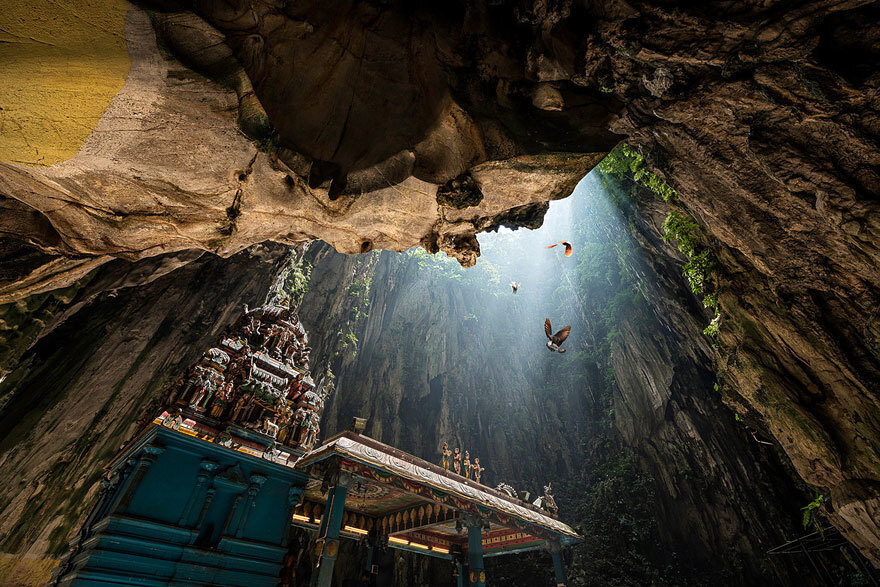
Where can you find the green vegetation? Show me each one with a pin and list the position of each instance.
(292, 281)
(626, 162)
(358, 300)
(811, 515)
(701, 262)
(445, 268)
(299, 281)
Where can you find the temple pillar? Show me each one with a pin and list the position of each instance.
(368, 560)
(136, 470)
(371, 544)
(328, 533)
(459, 579)
(256, 483)
(206, 468)
(558, 566)
(476, 570)
(294, 496)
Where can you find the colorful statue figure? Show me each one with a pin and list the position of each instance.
(174, 420)
(270, 427)
(239, 406)
(446, 455)
(478, 470)
(456, 461)
(284, 424)
(311, 429)
(252, 327)
(220, 399)
(191, 382)
(548, 503)
(179, 387)
(467, 465)
(299, 419)
(202, 389)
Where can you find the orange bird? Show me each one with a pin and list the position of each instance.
(567, 246)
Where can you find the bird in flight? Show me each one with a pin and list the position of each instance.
(515, 286)
(567, 246)
(555, 341)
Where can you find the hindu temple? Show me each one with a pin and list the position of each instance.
(225, 467)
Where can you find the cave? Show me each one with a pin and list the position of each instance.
(378, 183)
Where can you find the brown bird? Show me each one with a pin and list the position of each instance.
(567, 246)
(555, 340)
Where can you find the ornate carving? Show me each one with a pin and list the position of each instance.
(445, 483)
(546, 501)
(256, 376)
(478, 470)
(508, 489)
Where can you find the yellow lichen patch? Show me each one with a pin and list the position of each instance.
(25, 571)
(61, 62)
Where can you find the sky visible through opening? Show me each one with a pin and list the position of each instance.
(551, 285)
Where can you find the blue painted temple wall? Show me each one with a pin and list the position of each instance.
(135, 534)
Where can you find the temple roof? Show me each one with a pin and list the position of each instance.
(391, 481)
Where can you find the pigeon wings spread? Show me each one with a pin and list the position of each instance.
(567, 246)
(559, 337)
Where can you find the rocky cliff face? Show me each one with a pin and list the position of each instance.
(180, 161)
(774, 149)
(715, 480)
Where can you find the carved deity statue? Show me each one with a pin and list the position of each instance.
(221, 399)
(191, 382)
(240, 404)
(456, 461)
(310, 429)
(252, 328)
(446, 455)
(549, 503)
(467, 465)
(478, 470)
(284, 418)
(173, 420)
(203, 388)
(299, 418)
(176, 389)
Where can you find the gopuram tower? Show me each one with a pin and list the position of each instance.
(205, 490)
